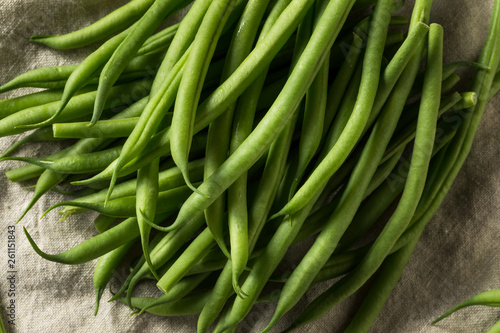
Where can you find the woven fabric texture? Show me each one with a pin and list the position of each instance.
(458, 254)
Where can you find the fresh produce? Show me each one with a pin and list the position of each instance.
(210, 147)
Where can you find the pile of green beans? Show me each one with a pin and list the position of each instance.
(215, 144)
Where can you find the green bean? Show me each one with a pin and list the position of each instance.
(383, 171)
(94, 247)
(368, 98)
(345, 108)
(114, 22)
(220, 293)
(407, 133)
(196, 249)
(191, 83)
(41, 134)
(56, 77)
(105, 268)
(450, 82)
(178, 291)
(182, 307)
(387, 278)
(102, 129)
(12, 105)
(390, 190)
(31, 171)
(45, 182)
(126, 206)
(40, 78)
(337, 89)
(159, 41)
(85, 71)
(488, 298)
(75, 164)
(147, 197)
(79, 106)
(129, 47)
(495, 87)
(314, 114)
(103, 222)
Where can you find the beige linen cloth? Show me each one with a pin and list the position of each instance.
(457, 256)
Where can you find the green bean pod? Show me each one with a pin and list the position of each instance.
(196, 249)
(182, 307)
(221, 140)
(12, 105)
(488, 298)
(169, 201)
(112, 23)
(102, 129)
(95, 247)
(180, 290)
(147, 197)
(41, 134)
(105, 268)
(190, 87)
(75, 163)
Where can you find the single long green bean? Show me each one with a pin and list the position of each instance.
(102, 129)
(12, 105)
(112, 23)
(191, 83)
(147, 197)
(488, 298)
(41, 134)
(94, 247)
(178, 291)
(105, 268)
(169, 201)
(196, 249)
(75, 164)
(182, 307)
